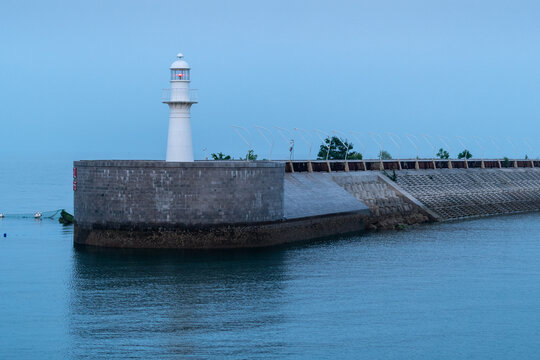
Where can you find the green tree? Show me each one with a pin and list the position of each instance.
(465, 154)
(337, 150)
(220, 156)
(506, 162)
(251, 156)
(385, 155)
(443, 154)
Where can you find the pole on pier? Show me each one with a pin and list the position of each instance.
(363, 145)
(318, 132)
(393, 138)
(346, 144)
(291, 144)
(303, 132)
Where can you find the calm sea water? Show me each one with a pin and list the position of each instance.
(467, 289)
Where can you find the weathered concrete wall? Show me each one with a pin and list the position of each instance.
(463, 193)
(390, 206)
(380, 202)
(318, 194)
(147, 193)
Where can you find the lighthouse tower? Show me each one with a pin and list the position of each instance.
(179, 98)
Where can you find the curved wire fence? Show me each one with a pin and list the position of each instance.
(277, 143)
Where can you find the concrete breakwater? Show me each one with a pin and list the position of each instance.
(210, 204)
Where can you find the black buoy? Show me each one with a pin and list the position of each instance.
(5, 235)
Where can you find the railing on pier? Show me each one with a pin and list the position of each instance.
(408, 164)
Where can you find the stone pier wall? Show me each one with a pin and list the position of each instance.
(207, 204)
(123, 193)
(154, 204)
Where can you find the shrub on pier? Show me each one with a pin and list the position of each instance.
(385, 155)
(443, 154)
(338, 150)
(220, 156)
(465, 154)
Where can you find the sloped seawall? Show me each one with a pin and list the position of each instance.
(317, 194)
(466, 193)
(416, 196)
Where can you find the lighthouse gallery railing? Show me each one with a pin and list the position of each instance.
(179, 95)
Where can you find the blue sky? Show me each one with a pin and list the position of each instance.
(83, 80)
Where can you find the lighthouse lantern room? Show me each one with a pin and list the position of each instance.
(179, 98)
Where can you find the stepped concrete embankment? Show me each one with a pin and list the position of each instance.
(466, 193)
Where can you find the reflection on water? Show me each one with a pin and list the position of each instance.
(466, 289)
(174, 302)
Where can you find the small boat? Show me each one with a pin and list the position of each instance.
(1, 215)
(37, 215)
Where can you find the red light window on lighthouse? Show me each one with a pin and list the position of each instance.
(180, 75)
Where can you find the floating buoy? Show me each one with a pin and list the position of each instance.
(5, 235)
(37, 215)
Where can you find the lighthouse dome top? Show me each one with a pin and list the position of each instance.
(179, 63)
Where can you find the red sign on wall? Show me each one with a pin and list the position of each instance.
(74, 172)
(74, 185)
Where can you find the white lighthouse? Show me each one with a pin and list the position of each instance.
(179, 98)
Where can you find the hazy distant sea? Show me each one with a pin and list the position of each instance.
(467, 289)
